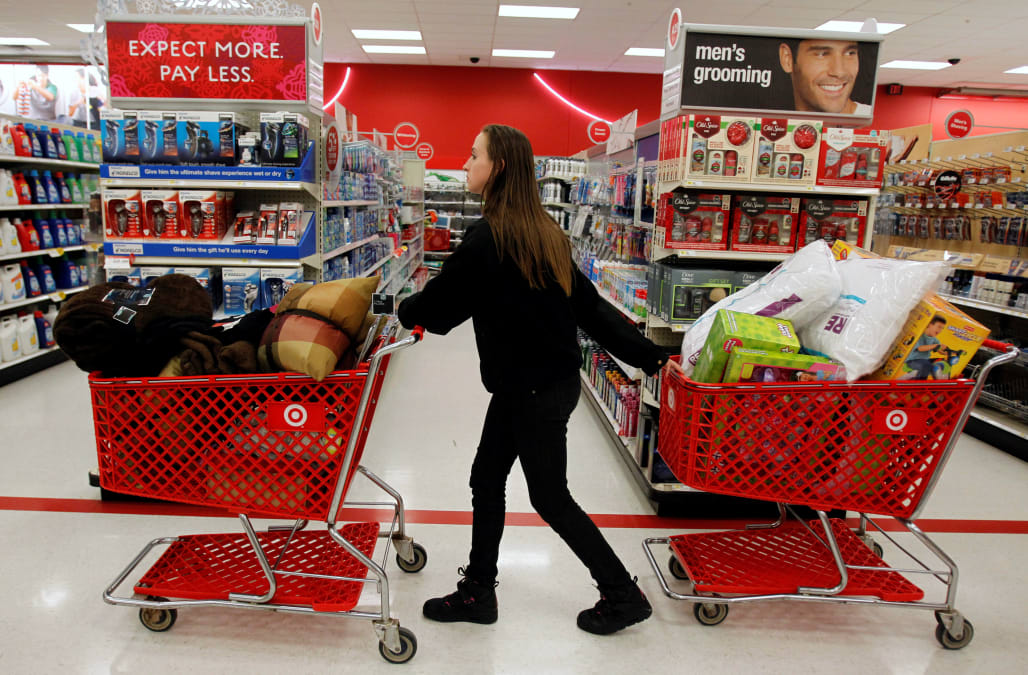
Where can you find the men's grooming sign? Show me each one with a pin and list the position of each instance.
(785, 73)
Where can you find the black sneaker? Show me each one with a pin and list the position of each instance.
(474, 602)
(619, 607)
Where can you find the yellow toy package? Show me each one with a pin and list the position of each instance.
(936, 343)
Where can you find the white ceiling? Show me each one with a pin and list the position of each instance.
(988, 36)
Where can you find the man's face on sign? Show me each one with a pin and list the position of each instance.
(823, 74)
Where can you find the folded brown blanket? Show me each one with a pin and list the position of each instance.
(205, 355)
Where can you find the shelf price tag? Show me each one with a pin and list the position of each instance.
(55, 252)
(117, 263)
(59, 296)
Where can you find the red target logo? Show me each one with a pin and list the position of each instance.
(900, 421)
(296, 417)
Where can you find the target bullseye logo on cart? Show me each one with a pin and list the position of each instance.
(296, 417)
(900, 421)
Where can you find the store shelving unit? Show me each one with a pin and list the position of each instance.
(43, 358)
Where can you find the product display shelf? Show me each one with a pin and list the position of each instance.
(559, 205)
(349, 247)
(312, 189)
(31, 357)
(374, 268)
(635, 318)
(413, 222)
(350, 202)
(57, 296)
(594, 395)
(796, 190)
(654, 321)
(44, 162)
(43, 207)
(719, 255)
(987, 306)
(52, 252)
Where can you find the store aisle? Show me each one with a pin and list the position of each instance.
(62, 549)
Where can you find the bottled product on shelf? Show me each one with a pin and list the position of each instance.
(618, 394)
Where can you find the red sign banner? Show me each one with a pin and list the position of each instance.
(959, 123)
(295, 417)
(207, 61)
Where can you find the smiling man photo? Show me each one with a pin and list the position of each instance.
(823, 73)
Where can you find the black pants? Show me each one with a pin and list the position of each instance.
(532, 427)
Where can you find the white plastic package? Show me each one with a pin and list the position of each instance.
(800, 290)
(877, 295)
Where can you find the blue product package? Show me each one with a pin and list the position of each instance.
(129, 276)
(57, 232)
(148, 274)
(158, 137)
(46, 278)
(36, 187)
(43, 232)
(276, 282)
(32, 285)
(120, 136)
(44, 330)
(208, 138)
(241, 287)
(37, 148)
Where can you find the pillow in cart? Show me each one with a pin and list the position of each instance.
(314, 326)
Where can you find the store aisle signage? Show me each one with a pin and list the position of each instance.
(764, 72)
(598, 132)
(406, 135)
(622, 133)
(959, 123)
(207, 61)
(425, 151)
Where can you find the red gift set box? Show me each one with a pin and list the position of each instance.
(693, 219)
(764, 224)
(720, 148)
(833, 219)
(786, 151)
(852, 159)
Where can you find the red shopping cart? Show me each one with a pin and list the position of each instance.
(274, 446)
(870, 447)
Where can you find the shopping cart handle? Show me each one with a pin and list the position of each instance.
(418, 333)
(999, 346)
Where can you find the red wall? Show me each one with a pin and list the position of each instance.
(450, 104)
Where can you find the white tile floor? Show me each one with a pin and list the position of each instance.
(423, 437)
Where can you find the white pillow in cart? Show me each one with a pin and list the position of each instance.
(800, 290)
(877, 295)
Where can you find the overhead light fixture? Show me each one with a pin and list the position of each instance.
(368, 34)
(854, 26)
(644, 51)
(1023, 70)
(917, 65)
(393, 49)
(22, 42)
(565, 101)
(984, 92)
(533, 12)
(82, 27)
(339, 93)
(524, 53)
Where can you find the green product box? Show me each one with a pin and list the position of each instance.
(694, 291)
(735, 329)
(758, 365)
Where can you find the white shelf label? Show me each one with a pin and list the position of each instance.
(124, 171)
(117, 263)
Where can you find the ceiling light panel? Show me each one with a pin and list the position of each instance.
(393, 49)
(533, 12)
(917, 65)
(644, 51)
(22, 42)
(524, 53)
(374, 34)
(854, 26)
(82, 27)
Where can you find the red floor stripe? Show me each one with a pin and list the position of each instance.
(437, 517)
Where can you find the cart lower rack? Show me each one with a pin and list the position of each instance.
(870, 447)
(276, 446)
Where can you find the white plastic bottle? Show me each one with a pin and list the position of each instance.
(7, 194)
(14, 284)
(28, 337)
(8, 238)
(51, 313)
(9, 347)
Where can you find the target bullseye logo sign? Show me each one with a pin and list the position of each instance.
(900, 421)
(296, 417)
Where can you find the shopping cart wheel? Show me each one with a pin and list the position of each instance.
(676, 569)
(157, 620)
(947, 640)
(877, 549)
(408, 648)
(416, 565)
(710, 614)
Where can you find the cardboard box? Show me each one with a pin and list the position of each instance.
(161, 211)
(283, 139)
(757, 365)
(695, 220)
(764, 224)
(735, 329)
(720, 148)
(786, 151)
(158, 137)
(276, 282)
(852, 159)
(936, 342)
(199, 215)
(209, 278)
(148, 274)
(832, 220)
(746, 277)
(208, 137)
(242, 288)
(267, 225)
(119, 131)
(291, 220)
(123, 211)
(688, 292)
(132, 276)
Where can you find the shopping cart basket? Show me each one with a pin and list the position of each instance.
(275, 446)
(870, 447)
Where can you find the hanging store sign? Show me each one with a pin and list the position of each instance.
(959, 123)
(598, 132)
(425, 151)
(207, 61)
(406, 135)
(773, 72)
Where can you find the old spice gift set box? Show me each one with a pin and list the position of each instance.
(720, 148)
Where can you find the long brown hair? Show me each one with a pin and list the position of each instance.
(521, 227)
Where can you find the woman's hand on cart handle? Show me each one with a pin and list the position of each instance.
(418, 333)
(998, 346)
(674, 366)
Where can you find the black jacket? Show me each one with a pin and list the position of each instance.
(526, 338)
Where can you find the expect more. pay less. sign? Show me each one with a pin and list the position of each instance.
(207, 61)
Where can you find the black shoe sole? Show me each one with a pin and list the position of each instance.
(487, 619)
(610, 629)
